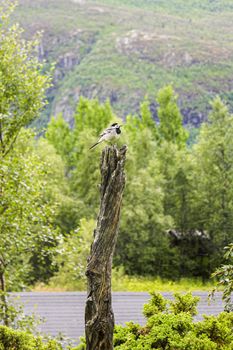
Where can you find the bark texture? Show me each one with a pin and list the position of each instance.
(99, 317)
(3, 295)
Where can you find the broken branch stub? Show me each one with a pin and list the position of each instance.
(99, 317)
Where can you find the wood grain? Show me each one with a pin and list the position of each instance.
(99, 317)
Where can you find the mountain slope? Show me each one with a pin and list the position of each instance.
(126, 49)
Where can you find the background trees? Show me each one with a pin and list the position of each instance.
(26, 214)
(212, 176)
(49, 186)
(22, 83)
(169, 185)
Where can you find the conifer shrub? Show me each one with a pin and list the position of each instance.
(170, 326)
(11, 339)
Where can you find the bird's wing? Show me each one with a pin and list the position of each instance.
(106, 131)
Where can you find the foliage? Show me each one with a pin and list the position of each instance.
(55, 197)
(11, 339)
(12, 313)
(156, 304)
(170, 330)
(26, 215)
(184, 303)
(165, 330)
(224, 276)
(144, 220)
(50, 186)
(164, 188)
(213, 179)
(73, 146)
(23, 84)
(57, 189)
(72, 256)
(82, 345)
(170, 127)
(137, 56)
(59, 134)
(24, 209)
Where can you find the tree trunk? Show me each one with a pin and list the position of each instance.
(3, 298)
(99, 317)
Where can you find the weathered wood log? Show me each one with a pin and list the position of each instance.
(99, 317)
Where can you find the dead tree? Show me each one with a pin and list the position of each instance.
(99, 317)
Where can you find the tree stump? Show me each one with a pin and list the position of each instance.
(99, 317)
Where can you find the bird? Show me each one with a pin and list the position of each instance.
(108, 134)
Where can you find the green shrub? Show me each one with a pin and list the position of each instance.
(155, 305)
(184, 303)
(218, 329)
(224, 275)
(192, 342)
(16, 340)
(121, 334)
(173, 328)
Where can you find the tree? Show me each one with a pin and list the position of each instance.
(146, 118)
(26, 215)
(22, 82)
(212, 208)
(170, 119)
(26, 220)
(99, 318)
(224, 275)
(73, 252)
(59, 134)
(73, 144)
(172, 156)
(169, 185)
(22, 212)
(143, 246)
(57, 190)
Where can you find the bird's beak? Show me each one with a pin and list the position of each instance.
(121, 125)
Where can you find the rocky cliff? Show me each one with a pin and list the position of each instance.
(125, 49)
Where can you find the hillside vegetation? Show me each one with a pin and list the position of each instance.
(126, 49)
(177, 213)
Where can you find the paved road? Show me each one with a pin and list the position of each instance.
(64, 312)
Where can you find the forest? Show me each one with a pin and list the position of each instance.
(177, 210)
(177, 213)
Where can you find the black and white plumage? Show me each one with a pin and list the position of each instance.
(108, 134)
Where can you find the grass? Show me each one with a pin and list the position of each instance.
(124, 283)
(145, 284)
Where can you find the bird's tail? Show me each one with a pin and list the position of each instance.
(95, 144)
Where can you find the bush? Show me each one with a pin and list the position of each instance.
(156, 304)
(224, 275)
(16, 340)
(217, 329)
(184, 303)
(172, 328)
